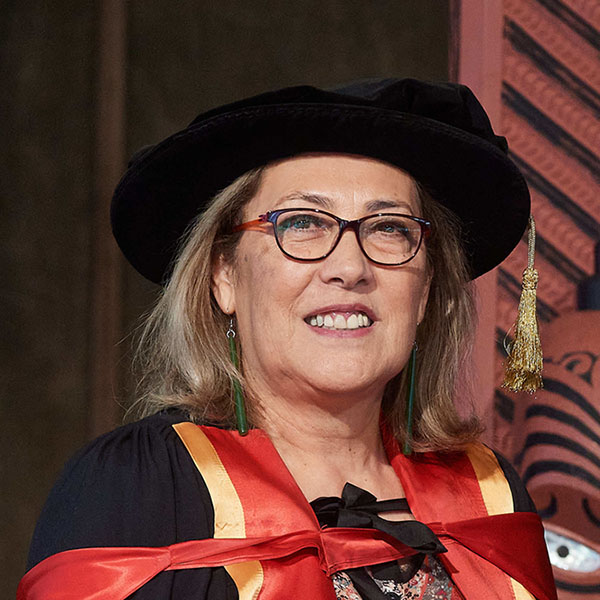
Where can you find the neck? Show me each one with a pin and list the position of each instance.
(325, 444)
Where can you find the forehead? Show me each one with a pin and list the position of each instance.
(344, 182)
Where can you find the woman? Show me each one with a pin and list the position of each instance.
(342, 346)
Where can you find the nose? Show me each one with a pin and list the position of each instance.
(347, 266)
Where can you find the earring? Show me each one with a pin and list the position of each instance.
(240, 407)
(410, 399)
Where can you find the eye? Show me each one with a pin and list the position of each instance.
(392, 227)
(301, 222)
(569, 555)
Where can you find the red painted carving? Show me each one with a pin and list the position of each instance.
(554, 288)
(552, 434)
(557, 38)
(588, 10)
(563, 234)
(551, 99)
(563, 172)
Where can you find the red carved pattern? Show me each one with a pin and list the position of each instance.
(554, 289)
(553, 163)
(507, 312)
(556, 37)
(551, 98)
(500, 357)
(563, 172)
(562, 233)
(588, 10)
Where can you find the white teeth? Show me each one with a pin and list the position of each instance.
(352, 322)
(339, 321)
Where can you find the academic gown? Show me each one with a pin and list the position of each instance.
(139, 486)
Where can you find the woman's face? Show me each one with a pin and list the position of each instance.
(275, 298)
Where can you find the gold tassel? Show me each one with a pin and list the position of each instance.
(523, 368)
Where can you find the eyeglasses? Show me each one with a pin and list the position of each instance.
(310, 234)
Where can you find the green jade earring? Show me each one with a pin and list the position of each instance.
(238, 397)
(410, 400)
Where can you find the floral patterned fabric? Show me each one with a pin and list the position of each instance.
(430, 582)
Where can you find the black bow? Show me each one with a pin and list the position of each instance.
(359, 508)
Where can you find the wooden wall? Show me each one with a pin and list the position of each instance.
(550, 115)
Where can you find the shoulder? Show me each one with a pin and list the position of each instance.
(134, 486)
(521, 499)
(137, 452)
(489, 465)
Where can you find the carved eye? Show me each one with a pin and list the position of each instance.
(569, 555)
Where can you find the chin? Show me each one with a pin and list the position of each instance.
(344, 382)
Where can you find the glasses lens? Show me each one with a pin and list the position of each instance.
(305, 234)
(390, 239)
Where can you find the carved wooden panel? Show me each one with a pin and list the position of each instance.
(550, 115)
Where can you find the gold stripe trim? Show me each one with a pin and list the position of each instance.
(496, 493)
(520, 592)
(229, 513)
(492, 483)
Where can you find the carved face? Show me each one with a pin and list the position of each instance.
(559, 454)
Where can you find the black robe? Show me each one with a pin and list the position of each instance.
(138, 486)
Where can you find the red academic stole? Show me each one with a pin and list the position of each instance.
(269, 540)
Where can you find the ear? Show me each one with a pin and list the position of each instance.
(223, 287)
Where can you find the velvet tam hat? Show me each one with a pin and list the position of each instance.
(437, 132)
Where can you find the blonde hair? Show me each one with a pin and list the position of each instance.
(444, 340)
(183, 353)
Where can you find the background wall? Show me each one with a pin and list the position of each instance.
(151, 66)
(46, 119)
(550, 106)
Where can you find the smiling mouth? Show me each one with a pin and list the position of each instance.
(338, 321)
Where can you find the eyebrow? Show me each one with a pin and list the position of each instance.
(384, 203)
(325, 202)
(317, 199)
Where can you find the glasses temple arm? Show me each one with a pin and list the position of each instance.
(255, 224)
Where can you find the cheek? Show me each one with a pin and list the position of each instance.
(410, 298)
(267, 288)
(422, 299)
(252, 268)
